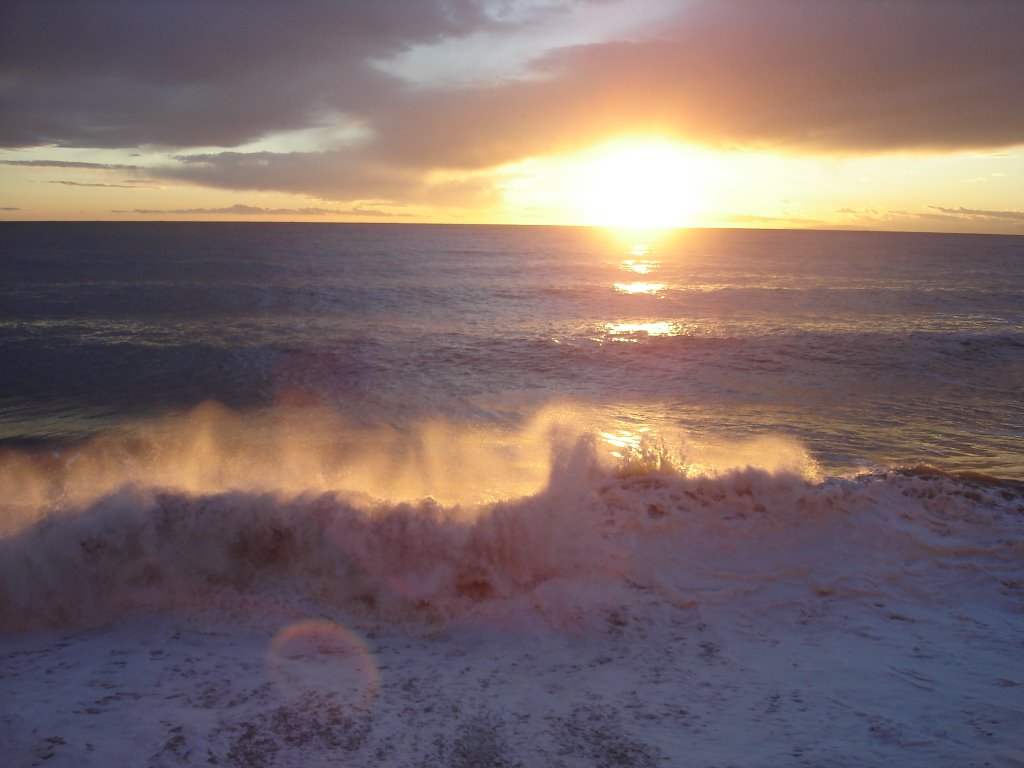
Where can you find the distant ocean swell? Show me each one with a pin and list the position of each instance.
(285, 512)
(617, 362)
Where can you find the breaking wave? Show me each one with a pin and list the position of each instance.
(296, 512)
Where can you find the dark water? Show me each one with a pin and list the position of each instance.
(295, 494)
(871, 349)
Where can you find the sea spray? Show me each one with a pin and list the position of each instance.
(599, 527)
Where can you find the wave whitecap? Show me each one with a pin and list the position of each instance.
(596, 521)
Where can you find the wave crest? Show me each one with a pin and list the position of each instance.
(608, 522)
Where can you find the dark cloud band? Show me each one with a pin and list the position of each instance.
(827, 76)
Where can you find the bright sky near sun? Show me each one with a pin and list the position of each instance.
(643, 113)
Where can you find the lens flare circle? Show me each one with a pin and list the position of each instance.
(317, 656)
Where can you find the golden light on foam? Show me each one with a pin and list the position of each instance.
(320, 657)
(638, 183)
(625, 442)
(621, 438)
(289, 450)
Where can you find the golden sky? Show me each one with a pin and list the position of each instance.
(756, 113)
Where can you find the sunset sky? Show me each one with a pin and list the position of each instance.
(907, 114)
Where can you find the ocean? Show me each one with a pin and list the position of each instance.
(351, 494)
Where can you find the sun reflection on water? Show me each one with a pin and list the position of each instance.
(640, 287)
(629, 331)
(640, 266)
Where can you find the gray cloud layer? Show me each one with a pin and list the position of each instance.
(252, 210)
(70, 164)
(821, 75)
(126, 185)
(833, 76)
(111, 73)
(979, 215)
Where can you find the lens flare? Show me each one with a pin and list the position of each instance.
(320, 657)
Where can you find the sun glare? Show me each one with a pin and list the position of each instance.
(638, 184)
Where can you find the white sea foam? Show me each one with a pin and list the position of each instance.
(287, 589)
(291, 506)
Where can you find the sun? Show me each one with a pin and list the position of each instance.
(637, 184)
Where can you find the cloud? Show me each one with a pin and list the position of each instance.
(827, 76)
(70, 164)
(344, 174)
(9, 208)
(337, 173)
(788, 221)
(251, 210)
(974, 214)
(105, 73)
(933, 218)
(126, 185)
